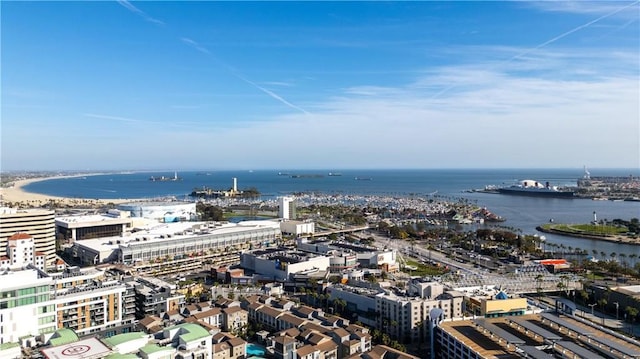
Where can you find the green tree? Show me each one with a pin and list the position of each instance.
(602, 303)
(583, 295)
(538, 279)
(631, 313)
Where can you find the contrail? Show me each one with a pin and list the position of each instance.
(205, 51)
(563, 35)
(139, 12)
(195, 45)
(572, 31)
(272, 94)
(114, 118)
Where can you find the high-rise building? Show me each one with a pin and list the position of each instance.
(38, 223)
(287, 208)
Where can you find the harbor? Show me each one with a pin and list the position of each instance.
(614, 188)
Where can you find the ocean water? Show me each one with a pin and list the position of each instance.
(524, 213)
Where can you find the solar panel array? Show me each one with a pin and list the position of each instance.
(563, 323)
(535, 353)
(617, 346)
(627, 351)
(578, 350)
(547, 335)
(494, 329)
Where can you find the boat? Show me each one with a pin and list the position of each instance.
(363, 178)
(307, 176)
(165, 179)
(334, 174)
(534, 188)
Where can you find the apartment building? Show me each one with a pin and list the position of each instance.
(21, 252)
(407, 318)
(35, 304)
(38, 223)
(25, 305)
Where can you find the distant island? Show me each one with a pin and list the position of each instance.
(209, 193)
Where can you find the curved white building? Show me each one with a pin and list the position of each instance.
(38, 223)
(163, 211)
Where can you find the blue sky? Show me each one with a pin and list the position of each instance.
(253, 85)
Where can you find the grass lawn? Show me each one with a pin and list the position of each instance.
(424, 269)
(590, 229)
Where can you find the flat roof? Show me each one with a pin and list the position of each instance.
(89, 348)
(172, 232)
(619, 347)
(631, 289)
(563, 323)
(465, 331)
(535, 353)
(494, 329)
(536, 329)
(578, 350)
(156, 203)
(90, 220)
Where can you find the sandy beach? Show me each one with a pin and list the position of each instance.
(16, 196)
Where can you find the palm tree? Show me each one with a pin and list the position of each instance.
(602, 303)
(623, 259)
(579, 252)
(631, 313)
(633, 257)
(539, 287)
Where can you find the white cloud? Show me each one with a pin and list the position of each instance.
(588, 7)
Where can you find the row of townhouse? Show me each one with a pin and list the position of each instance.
(306, 332)
(224, 314)
(318, 342)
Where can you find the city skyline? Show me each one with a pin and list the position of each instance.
(261, 85)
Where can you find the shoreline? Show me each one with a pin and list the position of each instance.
(18, 197)
(612, 239)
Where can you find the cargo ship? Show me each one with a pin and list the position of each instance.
(165, 179)
(535, 189)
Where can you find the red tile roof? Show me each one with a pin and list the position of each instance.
(20, 235)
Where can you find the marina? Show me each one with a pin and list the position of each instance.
(398, 189)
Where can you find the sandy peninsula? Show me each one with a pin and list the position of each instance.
(16, 196)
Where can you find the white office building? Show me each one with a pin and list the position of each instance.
(298, 228)
(279, 264)
(177, 240)
(287, 207)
